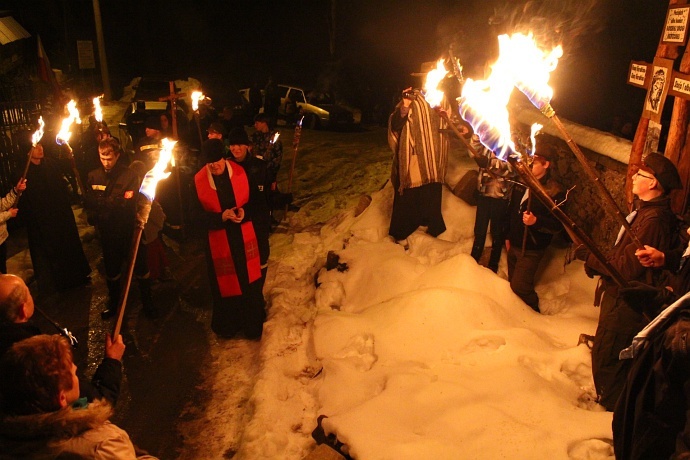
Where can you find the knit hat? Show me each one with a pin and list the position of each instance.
(213, 150)
(664, 170)
(153, 122)
(238, 136)
(217, 127)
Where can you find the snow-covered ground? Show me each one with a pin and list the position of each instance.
(411, 353)
(414, 353)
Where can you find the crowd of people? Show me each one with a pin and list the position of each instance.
(48, 410)
(640, 358)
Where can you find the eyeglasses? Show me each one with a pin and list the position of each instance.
(638, 173)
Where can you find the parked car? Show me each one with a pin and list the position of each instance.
(319, 109)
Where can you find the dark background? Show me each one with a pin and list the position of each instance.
(229, 45)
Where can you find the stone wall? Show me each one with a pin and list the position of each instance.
(606, 154)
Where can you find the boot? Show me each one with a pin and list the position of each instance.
(149, 309)
(113, 298)
(477, 251)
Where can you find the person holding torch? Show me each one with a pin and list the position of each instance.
(420, 155)
(624, 311)
(110, 202)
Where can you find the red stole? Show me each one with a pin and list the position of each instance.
(223, 262)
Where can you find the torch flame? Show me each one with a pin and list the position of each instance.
(97, 111)
(483, 104)
(38, 134)
(432, 94)
(196, 97)
(536, 127)
(531, 66)
(73, 117)
(158, 172)
(276, 136)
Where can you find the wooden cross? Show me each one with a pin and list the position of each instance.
(660, 81)
(173, 97)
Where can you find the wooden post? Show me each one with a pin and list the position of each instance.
(677, 145)
(173, 97)
(663, 51)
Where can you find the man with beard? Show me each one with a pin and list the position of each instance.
(57, 255)
(226, 196)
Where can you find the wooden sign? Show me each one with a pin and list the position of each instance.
(680, 85)
(85, 54)
(659, 83)
(676, 25)
(638, 74)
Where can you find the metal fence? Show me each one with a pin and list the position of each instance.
(19, 111)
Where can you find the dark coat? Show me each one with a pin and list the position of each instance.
(56, 251)
(650, 419)
(540, 234)
(111, 200)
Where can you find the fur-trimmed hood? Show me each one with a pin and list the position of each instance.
(20, 435)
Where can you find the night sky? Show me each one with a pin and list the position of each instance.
(228, 45)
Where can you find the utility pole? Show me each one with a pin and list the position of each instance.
(107, 93)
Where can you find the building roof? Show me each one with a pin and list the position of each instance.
(11, 30)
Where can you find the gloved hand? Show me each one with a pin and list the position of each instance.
(482, 162)
(646, 298)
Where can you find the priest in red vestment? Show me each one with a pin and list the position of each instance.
(232, 254)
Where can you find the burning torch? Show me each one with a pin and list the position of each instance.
(63, 136)
(35, 139)
(433, 95)
(196, 97)
(295, 146)
(483, 105)
(531, 68)
(97, 111)
(147, 193)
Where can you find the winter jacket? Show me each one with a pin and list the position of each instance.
(650, 420)
(6, 204)
(540, 234)
(270, 152)
(110, 200)
(493, 172)
(66, 433)
(420, 153)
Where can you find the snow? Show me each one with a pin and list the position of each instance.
(417, 352)
(414, 351)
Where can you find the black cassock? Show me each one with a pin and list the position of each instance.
(56, 252)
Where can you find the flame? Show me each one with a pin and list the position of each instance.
(530, 66)
(277, 135)
(73, 117)
(38, 134)
(483, 104)
(97, 111)
(196, 97)
(536, 127)
(158, 172)
(432, 94)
